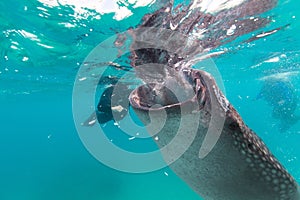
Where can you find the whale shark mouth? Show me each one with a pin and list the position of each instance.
(239, 166)
(191, 90)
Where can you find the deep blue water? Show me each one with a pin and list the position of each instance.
(42, 48)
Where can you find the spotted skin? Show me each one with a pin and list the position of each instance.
(239, 167)
(260, 160)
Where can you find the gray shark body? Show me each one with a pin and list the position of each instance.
(239, 166)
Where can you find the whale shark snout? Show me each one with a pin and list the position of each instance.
(239, 166)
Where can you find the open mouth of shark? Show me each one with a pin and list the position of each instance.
(239, 165)
(190, 90)
(244, 158)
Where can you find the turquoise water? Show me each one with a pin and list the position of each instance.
(42, 47)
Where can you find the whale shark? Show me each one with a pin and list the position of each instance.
(199, 16)
(239, 166)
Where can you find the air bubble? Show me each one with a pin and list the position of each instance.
(24, 59)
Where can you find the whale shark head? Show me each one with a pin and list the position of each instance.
(237, 164)
(191, 89)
